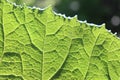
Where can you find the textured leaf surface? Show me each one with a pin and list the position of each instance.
(40, 45)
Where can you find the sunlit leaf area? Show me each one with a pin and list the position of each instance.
(93, 11)
(39, 44)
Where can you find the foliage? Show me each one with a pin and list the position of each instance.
(40, 45)
(37, 3)
(95, 11)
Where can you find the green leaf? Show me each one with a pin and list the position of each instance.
(40, 45)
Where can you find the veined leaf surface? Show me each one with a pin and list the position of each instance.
(40, 45)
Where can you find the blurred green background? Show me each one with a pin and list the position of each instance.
(37, 3)
(94, 11)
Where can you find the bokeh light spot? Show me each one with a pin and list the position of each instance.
(115, 20)
(74, 5)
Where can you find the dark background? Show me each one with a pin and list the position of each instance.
(94, 11)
